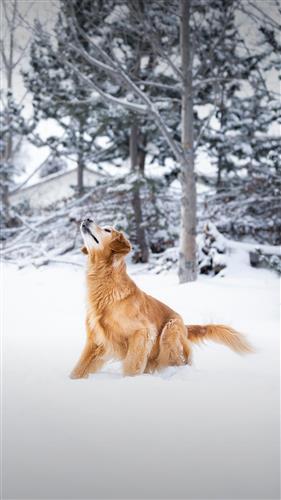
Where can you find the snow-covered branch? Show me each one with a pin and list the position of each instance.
(108, 98)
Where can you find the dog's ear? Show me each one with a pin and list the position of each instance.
(84, 250)
(120, 245)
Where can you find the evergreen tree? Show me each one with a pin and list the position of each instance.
(12, 129)
(143, 29)
(59, 95)
(123, 31)
(236, 87)
(239, 139)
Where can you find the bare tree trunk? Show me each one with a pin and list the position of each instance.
(218, 183)
(220, 160)
(136, 201)
(8, 61)
(7, 158)
(137, 158)
(80, 161)
(187, 256)
(80, 176)
(141, 152)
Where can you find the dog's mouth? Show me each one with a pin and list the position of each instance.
(86, 229)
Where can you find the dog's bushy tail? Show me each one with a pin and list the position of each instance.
(219, 333)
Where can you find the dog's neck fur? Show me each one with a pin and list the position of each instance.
(100, 275)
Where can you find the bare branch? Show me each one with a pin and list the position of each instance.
(264, 15)
(216, 79)
(31, 175)
(2, 51)
(22, 53)
(136, 108)
(207, 121)
(118, 73)
(93, 61)
(163, 86)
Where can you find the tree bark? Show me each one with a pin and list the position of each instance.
(80, 176)
(136, 200)
(221, 157)
(187, 254)
(141, 152)
(137, 159)
(80, 161)
(8, 152)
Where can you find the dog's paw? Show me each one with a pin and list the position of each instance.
(76, 375)
(131, 370)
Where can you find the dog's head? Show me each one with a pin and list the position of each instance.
(105, 242)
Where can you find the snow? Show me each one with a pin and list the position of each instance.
(207, 431)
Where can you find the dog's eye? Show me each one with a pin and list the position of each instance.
(108, 230)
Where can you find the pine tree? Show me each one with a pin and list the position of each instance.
(56, 89)
(138, 35)
(235, 86)
(12, 128)
(123, 31)
(239, 138)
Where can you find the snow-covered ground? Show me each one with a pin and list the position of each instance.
(209, 431)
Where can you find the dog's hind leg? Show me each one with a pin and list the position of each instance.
(175, 349)
(139, 347)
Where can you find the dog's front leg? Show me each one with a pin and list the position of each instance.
(138, 351)
(90, 360)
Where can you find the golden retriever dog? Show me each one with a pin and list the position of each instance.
(127, 324)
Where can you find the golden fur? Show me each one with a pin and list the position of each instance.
(125, 323)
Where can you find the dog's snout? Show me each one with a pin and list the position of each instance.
(86, 222)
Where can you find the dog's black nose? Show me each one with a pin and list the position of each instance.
(86, 222)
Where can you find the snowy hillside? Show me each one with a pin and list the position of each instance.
(207, 431)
